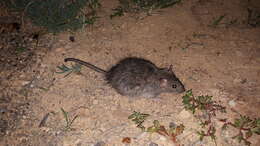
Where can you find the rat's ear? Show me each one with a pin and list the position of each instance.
(163, 82)
(170, 69)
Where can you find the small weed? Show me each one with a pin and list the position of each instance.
(21, 49)
(210, 132)
(117, 12)
(138, 118)
(216, 22)
(44, 89)
(136, 6)
(170, 133)
(44, 120)
(208, 107)
(69, 121)
(68, 70)
(246, 128)
(55, 15)
(94, 4)
(253, 17)
(232, 22)
(203, 103)
(91, 20)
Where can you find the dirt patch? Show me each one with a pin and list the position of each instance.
(222, 61)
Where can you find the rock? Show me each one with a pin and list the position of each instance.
(25, 83)
(3, 110)
(198, 143)
(153, 144)
(232, 103)
(163, 138)
(100, 143)
(172, 125)
(59, 50)
(185, 114)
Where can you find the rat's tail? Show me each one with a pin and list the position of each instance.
(95, 68)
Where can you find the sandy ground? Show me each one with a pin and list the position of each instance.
(221, 61)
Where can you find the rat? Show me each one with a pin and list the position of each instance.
(135, 77)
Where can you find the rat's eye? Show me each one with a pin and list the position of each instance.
(174, 86)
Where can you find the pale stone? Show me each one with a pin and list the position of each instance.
(232, 103)
(59, 49)
(185, 114)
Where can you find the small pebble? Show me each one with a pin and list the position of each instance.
(198, 142)
(25, 83)
(59, 49)
(3, 110)
(100, 143)
(32, 85)
(153, 144)
(232, 103)
(163, 138)
(184, 114)
(172, 125)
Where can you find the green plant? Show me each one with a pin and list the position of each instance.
(136, 6)
(217, 21)
(209, 132)
(56, 15)
(170, 133)
(246, 127)
(138, 118)
(21, 49)
(91, 20)
(69, 70)
(69, 121)
(117, 12)
(253, 17)
(208, 107)
(16, 5)
(204, 103)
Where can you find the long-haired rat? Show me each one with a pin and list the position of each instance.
(138, 77)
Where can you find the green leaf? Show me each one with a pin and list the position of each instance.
(117, 12)
(152, 129)
(213, 137)
(224, 127)
(217, 21)
(256, 130)
(247, 143)
(73, 119)
(201, 134)
(156, 124)
(138, 118)
(249, 134)
(237, 123)
(65, 114)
